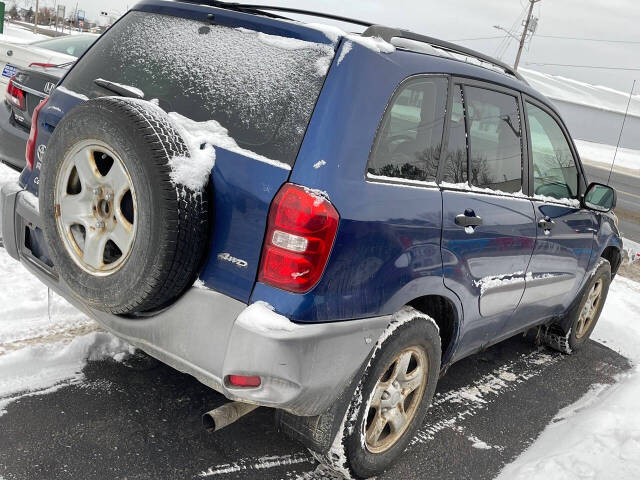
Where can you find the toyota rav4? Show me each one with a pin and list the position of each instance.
(307, 219)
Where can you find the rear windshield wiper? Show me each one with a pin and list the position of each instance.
(119, 89)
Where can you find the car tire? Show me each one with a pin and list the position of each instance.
(411, 344)
(583, 317)
(161, 227)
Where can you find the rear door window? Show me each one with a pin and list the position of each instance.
(495, 140)
(261, 88)
(410, 134)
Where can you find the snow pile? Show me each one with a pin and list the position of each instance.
(200, 138)
(193, 171)
(598, 436)
(334, 34)
(632, 249)
(18, 35)
(29, 311)
(574, 91)
(44, 368)
(601, 153)
(261, 317)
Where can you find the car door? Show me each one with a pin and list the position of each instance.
(488, 226)
(565, 230)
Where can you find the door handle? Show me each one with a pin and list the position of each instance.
(468, 219)
(546, 224)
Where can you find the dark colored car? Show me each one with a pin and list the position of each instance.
(309, 220)
(25, 91)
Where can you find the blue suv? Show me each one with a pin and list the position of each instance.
(307, 219)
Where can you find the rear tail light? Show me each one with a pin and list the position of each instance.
(300, 234)
(30, 153)
(43, 65)
(14, 95)
(243, 381)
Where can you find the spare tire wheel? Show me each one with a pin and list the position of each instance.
(122, 235)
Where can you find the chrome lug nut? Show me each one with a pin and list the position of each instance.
(385, 395)
(97, 191)
(100, 224)
(108, 197)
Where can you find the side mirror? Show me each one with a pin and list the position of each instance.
(599, 197)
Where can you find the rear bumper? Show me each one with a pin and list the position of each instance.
(13, 139)
(303, 371)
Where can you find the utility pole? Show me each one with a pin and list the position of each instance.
(524, 33)
(35, 22)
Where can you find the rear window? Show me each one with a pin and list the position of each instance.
(74, 45)
(261, 88)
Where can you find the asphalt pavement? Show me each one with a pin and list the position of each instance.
(133, 423)
(628, 187)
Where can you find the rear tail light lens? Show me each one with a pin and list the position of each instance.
(14, 95)
(243, 381)
(300, 234)
(30, 153)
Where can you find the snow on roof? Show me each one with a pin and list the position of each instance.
(574, 91)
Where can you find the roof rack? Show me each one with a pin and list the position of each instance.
(259, 9)
(387, 34)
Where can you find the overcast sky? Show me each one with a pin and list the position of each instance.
(462, 19)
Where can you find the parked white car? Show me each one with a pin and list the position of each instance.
(54, 51)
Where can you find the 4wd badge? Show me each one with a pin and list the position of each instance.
(236, 261)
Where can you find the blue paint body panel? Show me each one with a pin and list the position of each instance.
(395, 243)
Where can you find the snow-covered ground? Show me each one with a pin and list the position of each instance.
(17, 34)
(44, 341)
(604, 154)
(598, 437)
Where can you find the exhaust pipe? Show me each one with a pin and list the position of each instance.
(225, 415)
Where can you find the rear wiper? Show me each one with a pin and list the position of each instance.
(119, 89)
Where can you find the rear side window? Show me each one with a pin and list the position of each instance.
(261, 88)
(495, 144)
(554, 169)
(410, 134)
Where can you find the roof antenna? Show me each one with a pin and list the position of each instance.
(621, 130)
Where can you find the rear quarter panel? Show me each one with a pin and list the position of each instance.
(387, 250)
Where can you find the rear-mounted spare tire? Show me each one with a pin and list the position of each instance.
(122, 235)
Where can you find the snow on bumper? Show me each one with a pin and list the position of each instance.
(303, 367)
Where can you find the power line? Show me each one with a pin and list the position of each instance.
(559, 37)
(476, 38)
(590, 39)
(598, 67)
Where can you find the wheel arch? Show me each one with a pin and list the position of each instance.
(446, 315)
(614, 255)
